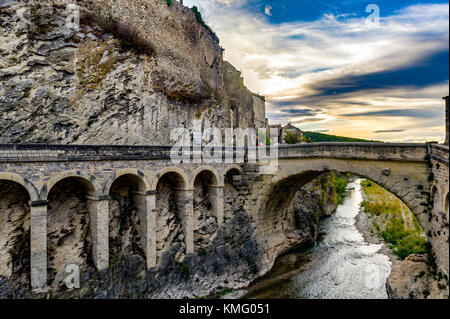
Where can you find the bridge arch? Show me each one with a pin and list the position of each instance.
(129, 215)
(93, 187)
(70, 222)
(29, 186)
(145, 185)
(274, 201)
(207, 189)
(230, 171)
(233, 167)
(173, 212)
(218, 180)
(15, 226)
(184, 179)
(408, 181)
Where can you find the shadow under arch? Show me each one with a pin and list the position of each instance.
(181, 177)
(127, 191)
(217, 179)
(206, 201)
(69, 216)
(230, 171)
(139, 176)
(15, 229)
(435, 195)
(171, 209)
(91, 184)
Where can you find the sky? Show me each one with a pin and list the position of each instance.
(331, 66)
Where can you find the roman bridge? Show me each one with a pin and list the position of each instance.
(416, 173)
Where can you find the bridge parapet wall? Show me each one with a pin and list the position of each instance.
(41, 152)
(363, 151)
(438, 152)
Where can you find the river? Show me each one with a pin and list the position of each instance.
(341, 265)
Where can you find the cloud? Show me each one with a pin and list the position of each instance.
(417, 113)
(308, 120)
(321, 131)
(300, 112)
(336, 65)
(389, 131)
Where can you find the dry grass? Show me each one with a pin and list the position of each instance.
(129, 37)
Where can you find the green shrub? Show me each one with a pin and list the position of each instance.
(291, 138)
(198, 15)
(340, 186)
(388, 212)
(185, 269)
(412, 244)
(226, 291)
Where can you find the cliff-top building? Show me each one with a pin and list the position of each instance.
(292, 129)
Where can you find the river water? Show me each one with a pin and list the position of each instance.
(340, 265)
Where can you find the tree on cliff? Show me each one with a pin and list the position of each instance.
(292, 138)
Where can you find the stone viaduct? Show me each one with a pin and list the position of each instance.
(416, 173)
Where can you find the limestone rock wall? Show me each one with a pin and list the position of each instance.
(132, 72)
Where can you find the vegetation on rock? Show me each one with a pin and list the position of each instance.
(320, 137)
(393, 221)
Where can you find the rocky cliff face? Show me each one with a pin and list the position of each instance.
(132, 72)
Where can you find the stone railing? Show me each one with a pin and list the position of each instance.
(44, 152)
(438, 152)
(358, 151)
(361, 151)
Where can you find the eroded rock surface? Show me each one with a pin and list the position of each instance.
(412, 279)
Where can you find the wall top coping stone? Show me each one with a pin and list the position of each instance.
(59, 152)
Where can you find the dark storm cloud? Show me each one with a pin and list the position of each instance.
(300, 112)
(389, 131)
(414, 113)
(431, 70)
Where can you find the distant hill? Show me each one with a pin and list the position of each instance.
(320, 137)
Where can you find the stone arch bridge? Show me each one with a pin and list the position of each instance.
(413, 172)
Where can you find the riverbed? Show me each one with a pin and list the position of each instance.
(341, 265)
